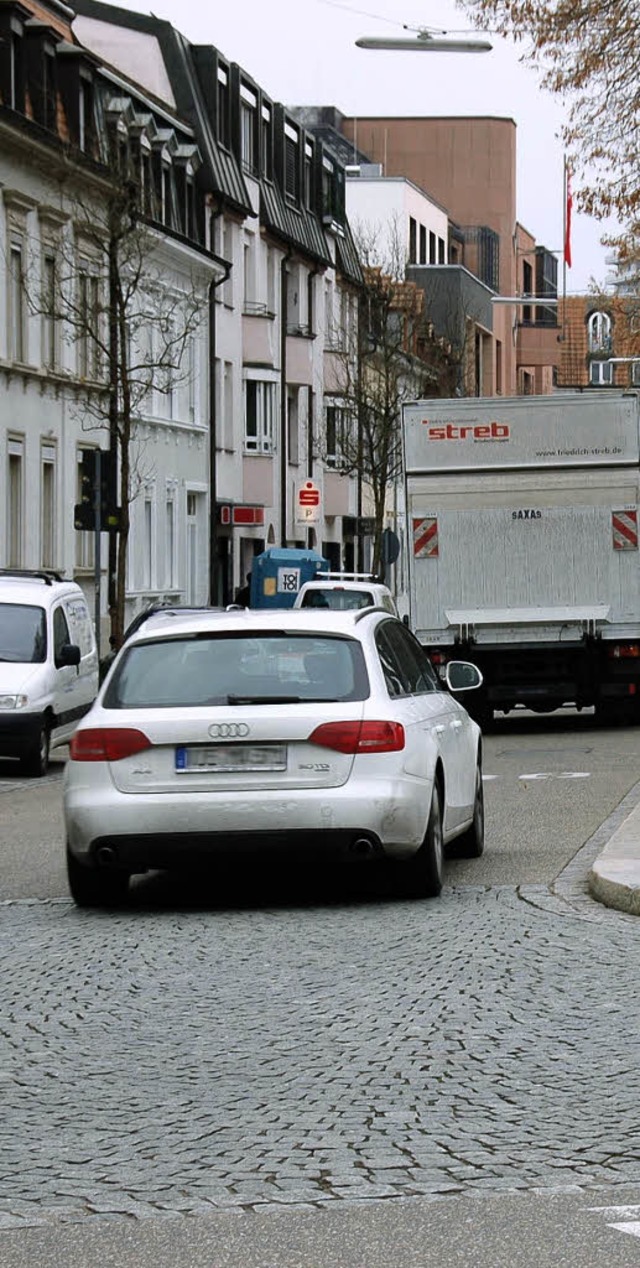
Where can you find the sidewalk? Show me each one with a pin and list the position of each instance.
(614, 878)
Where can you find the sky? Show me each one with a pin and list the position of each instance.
(303, 52)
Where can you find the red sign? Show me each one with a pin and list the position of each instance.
(309, 495)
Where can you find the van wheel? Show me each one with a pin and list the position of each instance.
(94, 887)
(36, 761)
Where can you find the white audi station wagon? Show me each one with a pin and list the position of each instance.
(217, 733)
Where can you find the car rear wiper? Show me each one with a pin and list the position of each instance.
(266, 700)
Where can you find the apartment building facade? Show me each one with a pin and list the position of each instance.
(468, 166)
(276, 215)
(68, 125)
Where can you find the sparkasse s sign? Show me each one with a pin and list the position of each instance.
(560, 430)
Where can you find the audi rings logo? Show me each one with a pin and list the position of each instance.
(228, 730)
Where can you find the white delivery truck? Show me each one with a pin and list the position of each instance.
(522, 523)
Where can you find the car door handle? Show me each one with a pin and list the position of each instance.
(439, 730)
(456, 724)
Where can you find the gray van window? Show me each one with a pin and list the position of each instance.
(23, 634)
(60, 633)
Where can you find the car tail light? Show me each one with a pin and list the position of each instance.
(624, 651)
(359, 737)
(107, 744)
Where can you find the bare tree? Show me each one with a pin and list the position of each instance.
(387, 356)
(109, 292)
(588, 55)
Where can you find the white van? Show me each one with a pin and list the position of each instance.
(48, 664)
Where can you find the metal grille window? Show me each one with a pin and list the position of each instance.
(49, 340)
(16, 305)
(259, 415)
(47, 507)
(15, 503)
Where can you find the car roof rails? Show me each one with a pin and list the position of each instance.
(48, 575)
(346, 576)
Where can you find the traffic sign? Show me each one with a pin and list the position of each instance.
(309, 503)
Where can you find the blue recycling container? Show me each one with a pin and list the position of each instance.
(278, 573)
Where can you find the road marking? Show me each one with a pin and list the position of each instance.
(625, 1218)
(564, 774)
(486, 778)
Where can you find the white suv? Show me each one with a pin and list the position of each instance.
(344, 592)
(48, 664)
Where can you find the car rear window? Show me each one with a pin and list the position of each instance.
(211, 669)
(337, 599)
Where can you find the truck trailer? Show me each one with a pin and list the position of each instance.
(522, 523)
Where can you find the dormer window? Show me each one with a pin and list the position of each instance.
(308, 174)
(222, 101)
(292, 163)
(266, 141)
(248, 120)
(599, 332)
(12, 61)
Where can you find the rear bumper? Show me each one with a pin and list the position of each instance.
(141, 832)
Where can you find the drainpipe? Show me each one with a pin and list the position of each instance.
(284, 445)
(213, 462)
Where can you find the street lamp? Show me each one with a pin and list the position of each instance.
(424, 42)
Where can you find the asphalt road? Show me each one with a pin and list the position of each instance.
(300, 1071)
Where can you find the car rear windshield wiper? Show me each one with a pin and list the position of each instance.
(266, 700)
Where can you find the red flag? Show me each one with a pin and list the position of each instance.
(567, 220)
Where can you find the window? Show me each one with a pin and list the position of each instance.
(336, 434)
(15, 503)
(406, 667)
(47, 506)
(634, 375)
(49, 339)
(227, 410)
(308, 174)
(48, 97)
(89, 328)
(291, 173)
(413, 230)
(16, 304)
(85, 114)
(147, 543)
(249, 272)
(432, 247)
(170, 544)
(423, 245)
(599, 332)
(293, 428)
(266, 142)
(61, 635)
(16, 70)
(227, 243)
(259, 415)
(442, 259)
(248, 105)
(223, 106)
(600, 373)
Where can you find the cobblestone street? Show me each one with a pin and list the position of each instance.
(175, 1062)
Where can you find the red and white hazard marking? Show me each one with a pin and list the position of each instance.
(425, 538)
(624, 526)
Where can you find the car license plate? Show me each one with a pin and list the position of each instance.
(231, 757)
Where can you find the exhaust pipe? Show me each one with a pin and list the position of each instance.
(362, 846)
(106, 856)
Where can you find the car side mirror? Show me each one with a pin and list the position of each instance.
(69, 654)
(461, 675)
